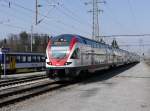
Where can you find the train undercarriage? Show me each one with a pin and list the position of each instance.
(63, 74)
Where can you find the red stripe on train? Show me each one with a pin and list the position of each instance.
(61, 62)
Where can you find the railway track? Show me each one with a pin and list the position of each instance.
(19, 93)
(8, 82)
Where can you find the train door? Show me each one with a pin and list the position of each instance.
(12, 63)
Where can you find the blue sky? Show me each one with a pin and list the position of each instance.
(71, 16)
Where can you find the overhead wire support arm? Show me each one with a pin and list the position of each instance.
(95, 10)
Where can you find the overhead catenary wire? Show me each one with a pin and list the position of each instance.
(134, 45)
(134, 19)
(21, 18)
(61, 8)
(128, 35)
(69, 14)
(72, 19)
(13, 26)
(44, 22)
(48, 18)
(20, 6)
(74, 16)
(115, 19)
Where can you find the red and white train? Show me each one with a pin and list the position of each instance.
(68, 55)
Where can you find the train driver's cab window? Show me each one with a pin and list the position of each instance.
(76, 54)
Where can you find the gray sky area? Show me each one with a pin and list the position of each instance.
(119, 17)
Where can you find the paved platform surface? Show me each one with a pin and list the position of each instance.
(123, 89)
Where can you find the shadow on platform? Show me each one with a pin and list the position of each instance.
(107, 74)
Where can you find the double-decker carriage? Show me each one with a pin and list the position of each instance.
(68, 55)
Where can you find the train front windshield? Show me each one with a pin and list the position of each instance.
(59, 52)
(60, 46)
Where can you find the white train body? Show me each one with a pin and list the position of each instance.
(68, 55)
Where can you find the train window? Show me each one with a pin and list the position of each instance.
(84, 41)
(17, 58)
(97, 45)
(24, 59)
(93, 44)
(33, 58)
(38, 58)
(102, 46)
(21, 58)
(29, 58)
(89, 42)
(42, 59)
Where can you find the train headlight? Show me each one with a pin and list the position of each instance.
(68, 63)
(49, 63)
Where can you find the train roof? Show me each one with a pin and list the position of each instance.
(85, 40)
(69, 36)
